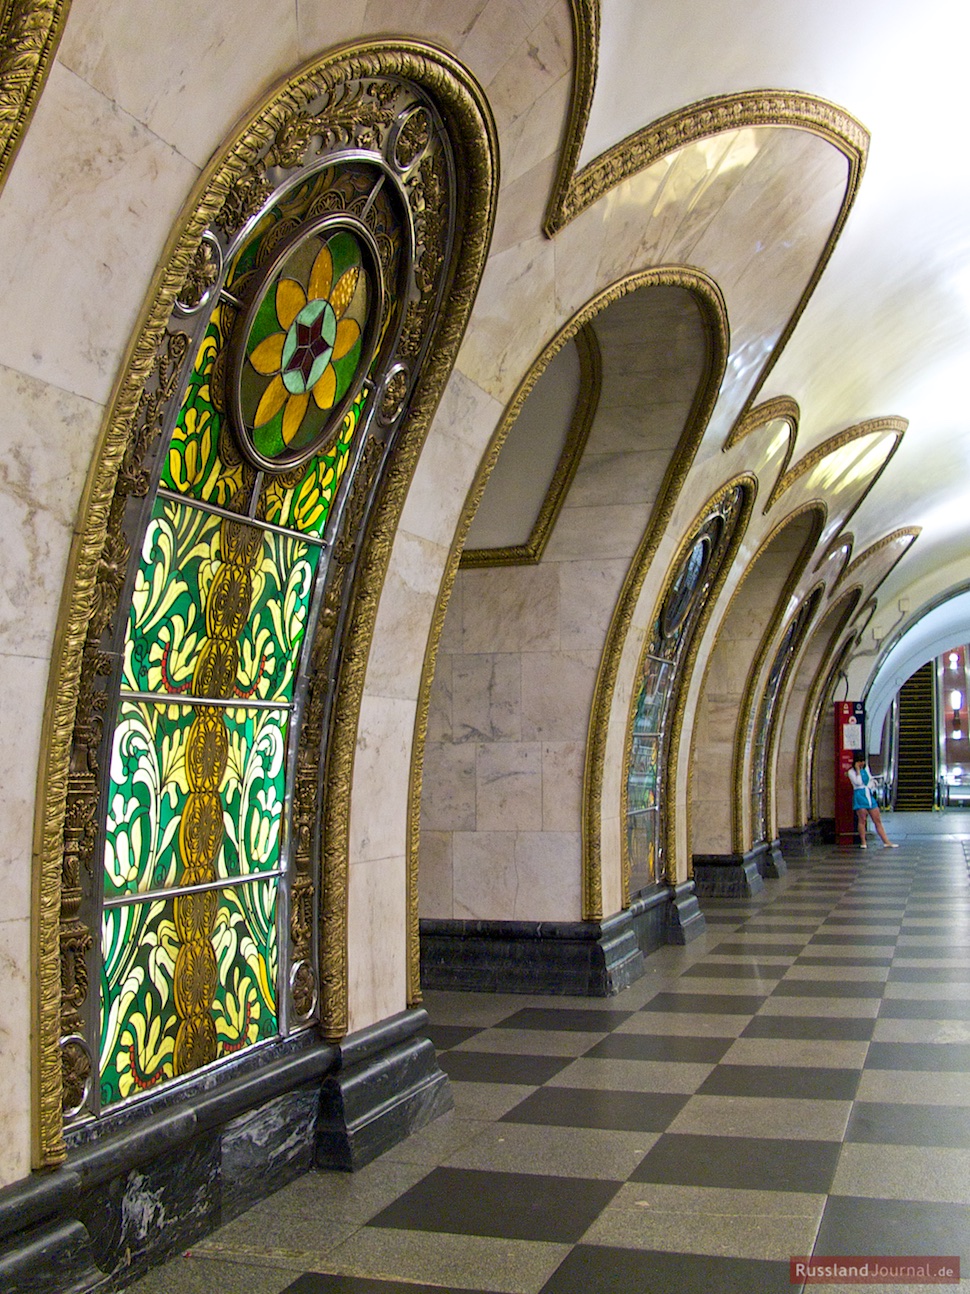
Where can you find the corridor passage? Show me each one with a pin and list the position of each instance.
(796, 1081)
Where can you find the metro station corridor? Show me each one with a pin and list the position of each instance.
(796, 1081)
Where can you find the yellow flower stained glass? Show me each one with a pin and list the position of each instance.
(305, 347)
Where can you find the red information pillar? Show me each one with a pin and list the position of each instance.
(850, 742)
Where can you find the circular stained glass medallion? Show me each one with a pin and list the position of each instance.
(306, 343)
(685, 583)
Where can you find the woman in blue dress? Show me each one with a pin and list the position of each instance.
(864, 803)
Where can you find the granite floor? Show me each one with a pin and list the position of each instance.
(797, 1081)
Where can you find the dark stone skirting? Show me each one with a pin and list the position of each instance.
(571, 958)
(797, 842)
(140, 1186)
(729, 876)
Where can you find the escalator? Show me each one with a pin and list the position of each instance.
(916, 763)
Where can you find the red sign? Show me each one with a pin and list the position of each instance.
(850, 743)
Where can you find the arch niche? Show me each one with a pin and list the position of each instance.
(205, 698)
(723, 734)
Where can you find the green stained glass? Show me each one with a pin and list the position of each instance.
(139, 1017)
(151, 778)
(181, 558)
(194, 465)
(302, 347)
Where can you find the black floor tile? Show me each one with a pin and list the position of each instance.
(733, 970)
(707, 1003)
(450, 1035)
(909, 1125)
(640, 1046)
(827, 1028)
(571, 1107)
(740, 1163)
(496, 1067)
(935, 1057)
(902, 1227)
(930, 975)
(843, 959)
(756, 948)
(599, 1269)
(783, 927)
(904, 1009)
(852, 941)
(511, 1206)
(580, 1020)
(794, 1081)
(318, 1283)
(852, 920)
(827, 988)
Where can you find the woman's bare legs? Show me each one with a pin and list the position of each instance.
(877, 820)
(860, 822)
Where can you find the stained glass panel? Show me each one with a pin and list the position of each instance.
(155, 761)
(167, 624)
(142, 1009)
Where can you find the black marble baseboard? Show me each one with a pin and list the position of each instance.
(797, 842)
(571, 958)
(144, 1183)
(771, 861)
(579, 958)
(728, 876)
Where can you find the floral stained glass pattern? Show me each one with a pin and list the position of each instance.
(150, 785)
(303, 348)
(200, 770)
(140, 1020)
(201, 463)
(181, 560)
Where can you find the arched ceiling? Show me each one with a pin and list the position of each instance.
(887, 331)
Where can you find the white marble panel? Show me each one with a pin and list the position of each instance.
(711, 826)
(436, 875)
(588, 593)
(536, 135)
(73, 272)
(376, 944)
(452, 630)
(440, 486)
(487, 698)
(322, 26)
(466, 412)
(22, 684)
(643, 423)
(605, 479)
(48, 437)
(181, 69)
(407, 604)
(522, 206)
(485, 875)
(511, 608)
(599, 532)
(563, 765)
(501, 28)
(382, 766)
(448, 787)
(15, 1015)
(439, 703)
(509, 787)
(549, 869)
(503, 340)
(535, 66)
(557, 691)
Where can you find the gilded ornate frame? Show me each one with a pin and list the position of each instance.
(97, 557)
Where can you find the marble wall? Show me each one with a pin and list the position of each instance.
(720, 708)
(131, 113)
(501, 823)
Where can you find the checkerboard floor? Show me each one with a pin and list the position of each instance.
(796, 1081)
